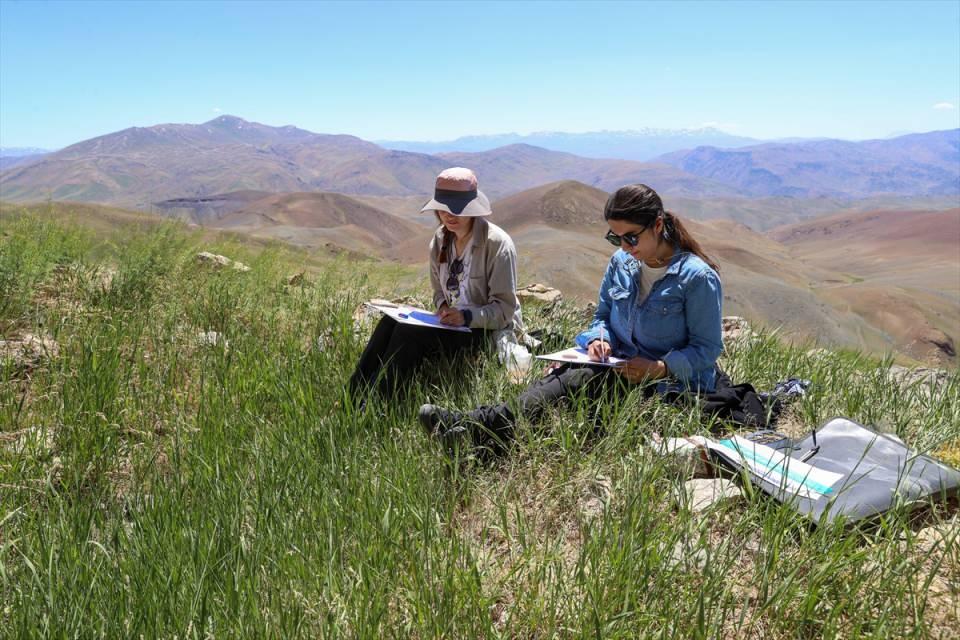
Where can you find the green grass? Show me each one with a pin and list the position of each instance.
(154, 486)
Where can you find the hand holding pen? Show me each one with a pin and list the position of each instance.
(599, 349)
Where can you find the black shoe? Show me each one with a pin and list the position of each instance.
(437, 420)
(452, 428)
(457, 440)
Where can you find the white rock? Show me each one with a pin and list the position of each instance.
(539, 293)
(918, 376)
(28, 350)
(211, 339)
(690, 558)
(595, 497)
(735, 328)
(690, 452)
(704, 494)
(217, 261)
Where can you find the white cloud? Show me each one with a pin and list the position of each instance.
(944, 106)
(217, 110)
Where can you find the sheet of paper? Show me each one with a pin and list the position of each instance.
(419, 317)
(766, 463)
(579, 356)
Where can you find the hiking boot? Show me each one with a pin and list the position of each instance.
(437, 420)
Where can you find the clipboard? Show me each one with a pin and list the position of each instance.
(576, 355)
(412, 315)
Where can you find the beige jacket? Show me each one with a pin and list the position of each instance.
(493, 279)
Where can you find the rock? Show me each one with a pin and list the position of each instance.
(36, 437)
(690, 558)
(689, 453)
(702, 494)
(364, 316)
(906, 377)
(736, 328)
(218, 262)
(211, 339)
(539, 293)
(595, 497)
(324, 341)
(28, 351)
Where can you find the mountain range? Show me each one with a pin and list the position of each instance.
(643, 144)
(12, 156)
(925, 164)
(142, 166)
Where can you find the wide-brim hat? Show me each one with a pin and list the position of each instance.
(456, 193)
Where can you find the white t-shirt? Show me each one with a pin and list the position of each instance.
(460, 297)
(648, 276)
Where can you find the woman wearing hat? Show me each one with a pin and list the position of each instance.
(659, 309)
(473, 273)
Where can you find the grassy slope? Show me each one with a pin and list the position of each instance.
(151, 485)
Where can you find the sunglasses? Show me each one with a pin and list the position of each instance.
(631, 238)
(456, 268)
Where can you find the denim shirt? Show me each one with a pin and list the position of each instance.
(678, 322)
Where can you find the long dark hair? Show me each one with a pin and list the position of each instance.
(448, 237)
(445, 243)
(639, 204)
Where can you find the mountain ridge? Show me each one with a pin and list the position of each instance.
(629, 144)
(920, 164)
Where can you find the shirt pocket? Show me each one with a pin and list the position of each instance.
(619, 303)
(664, 319)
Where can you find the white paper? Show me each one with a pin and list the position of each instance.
(577, 355)
(782, 471)
(417, 317)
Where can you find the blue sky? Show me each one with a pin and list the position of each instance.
(438, 70)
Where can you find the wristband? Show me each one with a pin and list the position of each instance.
(467, 317)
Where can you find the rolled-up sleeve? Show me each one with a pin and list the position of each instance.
(601, 317)
(703, 301)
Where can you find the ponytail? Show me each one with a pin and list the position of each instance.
(674, 230)
(639, 204)
(444, 243)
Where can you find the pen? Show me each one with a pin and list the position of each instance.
(603, 358)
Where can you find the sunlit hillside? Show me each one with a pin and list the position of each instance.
(178, 458)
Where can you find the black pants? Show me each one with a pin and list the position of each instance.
(557, 388)
(395, 351)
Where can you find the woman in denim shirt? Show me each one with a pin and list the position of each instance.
(659, 308)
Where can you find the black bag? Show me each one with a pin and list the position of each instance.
(736, 403)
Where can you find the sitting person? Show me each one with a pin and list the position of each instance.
(659, 308)
(473, 273)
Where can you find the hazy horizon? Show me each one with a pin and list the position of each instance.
(896, 134)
